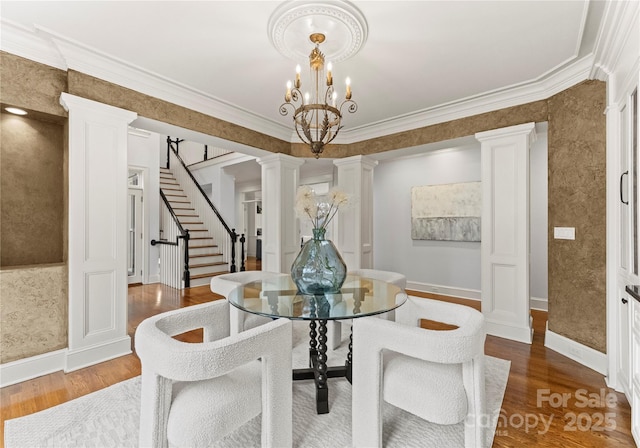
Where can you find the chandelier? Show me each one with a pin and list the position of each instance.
(316, 119)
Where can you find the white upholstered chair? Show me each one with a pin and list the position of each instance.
(224, 284)
(334, 329)
(195, 393)
(436, 375)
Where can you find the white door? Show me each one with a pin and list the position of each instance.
(135, 236)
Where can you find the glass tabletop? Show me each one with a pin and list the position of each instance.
(278, 297)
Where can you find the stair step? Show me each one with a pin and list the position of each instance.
(204, 265)
(203, 252)
(205, 280)
(210, 254)
(212, 274)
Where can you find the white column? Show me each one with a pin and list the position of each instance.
(280, 244)
(97, 231)
(355, 225)
(505, 231)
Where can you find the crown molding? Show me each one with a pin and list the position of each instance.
(100, 65)
(541, 89)
(24, 42)
(615, 29)
(50, 48)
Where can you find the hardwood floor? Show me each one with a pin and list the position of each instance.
(533, 412)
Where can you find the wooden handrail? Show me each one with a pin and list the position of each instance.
(232, 232)
(184, 234)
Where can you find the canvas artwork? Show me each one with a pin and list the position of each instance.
(449, 212)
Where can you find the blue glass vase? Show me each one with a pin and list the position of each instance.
(318, 268)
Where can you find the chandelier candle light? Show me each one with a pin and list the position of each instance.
(317, 123)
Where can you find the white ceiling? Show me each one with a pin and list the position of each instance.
(420, 57)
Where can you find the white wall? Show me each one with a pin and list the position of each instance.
(191, 152)
(448, 266)
(451, 264)
(222, 190)
(143, 152)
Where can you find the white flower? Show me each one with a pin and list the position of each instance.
(320, 210)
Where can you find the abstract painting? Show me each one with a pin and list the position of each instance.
(448, 212)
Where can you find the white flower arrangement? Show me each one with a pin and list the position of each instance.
(321, 209)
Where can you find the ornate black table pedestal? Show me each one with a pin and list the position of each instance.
(283, 300)
(318, 369)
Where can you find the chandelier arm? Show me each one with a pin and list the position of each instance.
(284, 109)
(328, 95)
(352, 106)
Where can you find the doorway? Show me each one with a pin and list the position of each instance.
(135, 236)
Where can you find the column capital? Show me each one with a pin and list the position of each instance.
(282, 159)
(356, 160)
(511, 131)
(72, 102)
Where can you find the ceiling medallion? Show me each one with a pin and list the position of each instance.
(293, 21)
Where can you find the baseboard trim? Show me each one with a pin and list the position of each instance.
(580, 353)
(154, 279)
(538, 303)
(535, 303)
(88, 356)
(28, 368)
(462, 293)
(505, 330)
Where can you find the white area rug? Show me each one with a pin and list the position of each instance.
(109, 417)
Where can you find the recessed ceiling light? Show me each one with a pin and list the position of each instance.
(15, 110)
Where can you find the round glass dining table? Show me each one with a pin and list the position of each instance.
(359, 297)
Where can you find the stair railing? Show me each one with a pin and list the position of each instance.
(174, 250)
(222, 234)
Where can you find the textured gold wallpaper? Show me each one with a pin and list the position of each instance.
(149, 107)
(31, 191)
(31, 85)
(33, 315)
(577, 198)
(576, 168)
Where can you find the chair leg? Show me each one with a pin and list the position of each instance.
(367, 401)
(334, 334)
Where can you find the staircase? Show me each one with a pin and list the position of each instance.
(206, 259)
